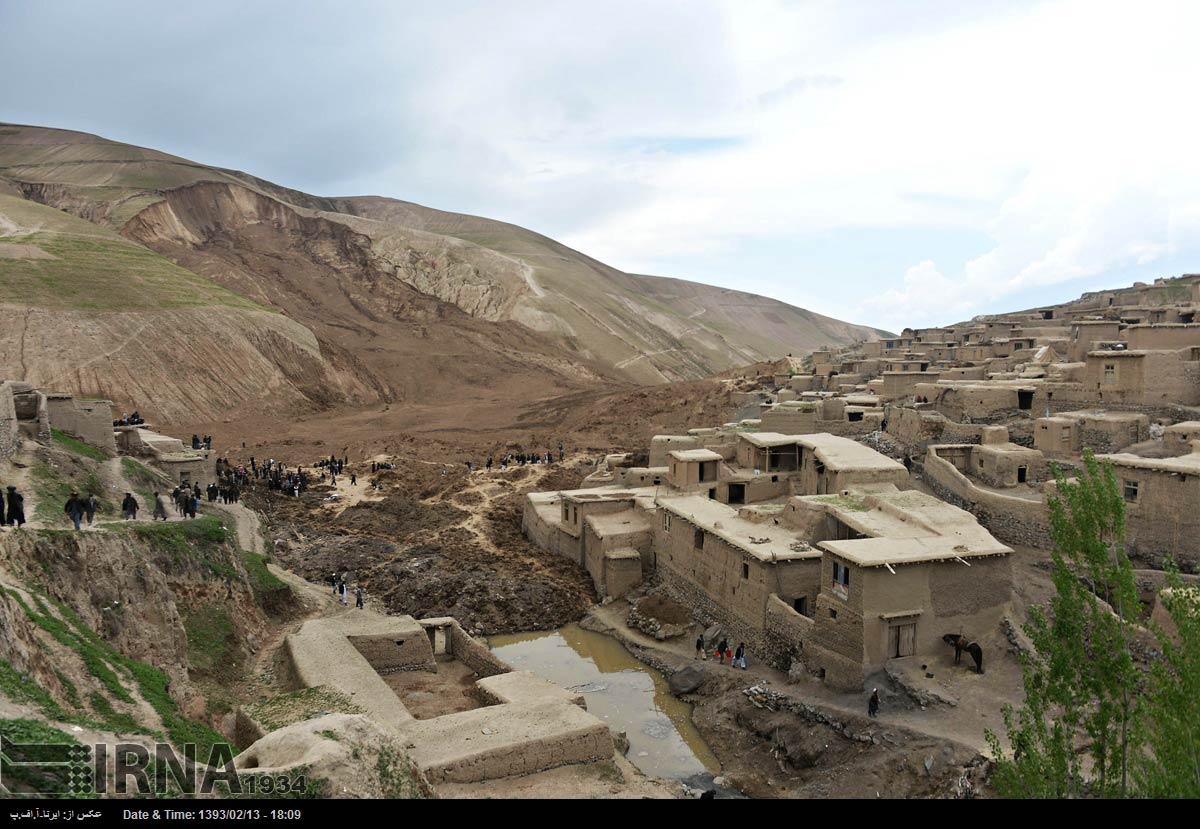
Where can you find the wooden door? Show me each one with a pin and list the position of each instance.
(902, 640)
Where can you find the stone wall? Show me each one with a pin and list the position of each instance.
(1012, 520)
(785, 633)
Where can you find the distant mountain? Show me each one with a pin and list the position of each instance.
(143, 276)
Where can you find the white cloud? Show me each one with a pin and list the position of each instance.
(1057, 136)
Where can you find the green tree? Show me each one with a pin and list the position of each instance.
(1074, 732)
(1170, 765)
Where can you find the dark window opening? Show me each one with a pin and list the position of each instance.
(1024, 400)
(737, 493)
(745, 570)
(1021, 474)
(832, 613)
(1131, 491)
(698, 539)
(800, 605)
(854, 417)
(712, 494)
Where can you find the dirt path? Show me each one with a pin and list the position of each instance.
(977, 703)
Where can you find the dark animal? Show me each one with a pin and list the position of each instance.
(961, 644)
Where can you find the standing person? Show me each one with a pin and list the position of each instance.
(353, 479)
(90, 505)
(16, 507)
(160, 508)
(333, 580)
(358, 597)
(739, 657)
(74, 508)
(443, 470)
(701, 651)
(721, 648)
(129, 507)
(343, 591)
(873, 703)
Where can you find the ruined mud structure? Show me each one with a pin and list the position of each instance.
(505, 723)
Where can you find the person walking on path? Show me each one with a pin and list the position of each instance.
(160, 508)
(358, 597)
(74, 508)
(129, 507)
(721, 648)
(343, 592)
(16, 507)
(739, 657)
(90, 505)
(701, 651)
(873, 703)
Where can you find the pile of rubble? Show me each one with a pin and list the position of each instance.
(763, 697)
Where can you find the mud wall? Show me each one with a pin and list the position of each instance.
(392, 653)
(10, 434)
(90, 421)
(1164, 521)
(474, 655)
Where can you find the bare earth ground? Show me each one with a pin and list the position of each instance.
(427, 544)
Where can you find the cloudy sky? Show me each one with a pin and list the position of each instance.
(886, 162)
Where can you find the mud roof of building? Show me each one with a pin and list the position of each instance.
(764, 541)
(905, 527)
(694, 455)
(1115, 417)
(618, 523)
(843, 453)
(1184, 464)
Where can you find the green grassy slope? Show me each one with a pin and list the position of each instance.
(91, 268)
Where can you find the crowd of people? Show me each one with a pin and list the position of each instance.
(520, 459)
(274, 475)
(134, 419)
(202, 442)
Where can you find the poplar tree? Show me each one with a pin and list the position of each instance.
(1170, 765)
(1075, 732)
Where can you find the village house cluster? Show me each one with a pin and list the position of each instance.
(801, 528)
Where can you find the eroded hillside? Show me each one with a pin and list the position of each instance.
(381, 300)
